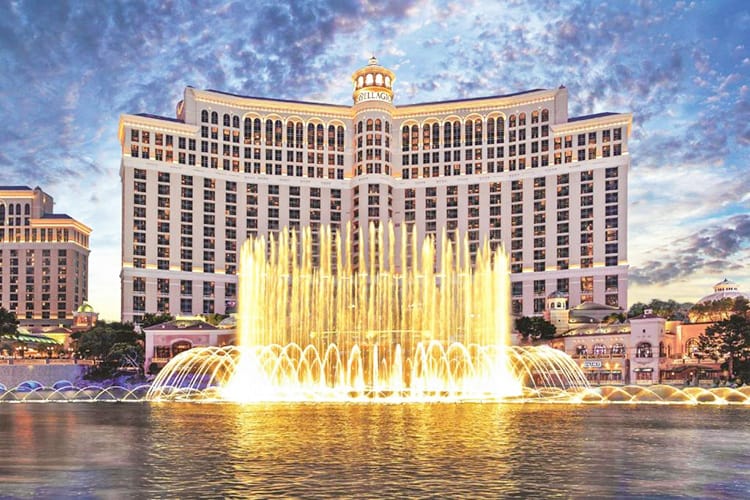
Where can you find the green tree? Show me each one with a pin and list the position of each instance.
(151, 319)
(535, 328)
(730, 339)
(126, 356)
(8, 322)
(214, 318)
(112, 345)
(613, 318)
(668, 309)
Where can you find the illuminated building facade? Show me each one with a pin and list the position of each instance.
(43, 258)
(512, 169)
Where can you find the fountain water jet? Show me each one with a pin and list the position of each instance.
(398, 325)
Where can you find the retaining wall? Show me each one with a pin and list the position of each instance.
(12, 375)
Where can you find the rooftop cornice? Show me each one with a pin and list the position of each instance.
(62, 222)
(17, 193)
(594, 123)
(271, 105)
(153, 123)
(477, 104)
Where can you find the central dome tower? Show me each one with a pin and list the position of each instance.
(373, 83)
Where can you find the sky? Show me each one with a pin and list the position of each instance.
(70, 69)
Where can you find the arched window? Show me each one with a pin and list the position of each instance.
(11, 210)
(692, 347)
(387, 127)
(521, 119)
(248, 130)
(545, 115)
(456, 134)
(643, 350)
(27, 209)
(581, 350)
(236, 121)
(214, 117)
(227, 120)
(500, 131)
(425, 136)
(290, 143)
(405, 138)
(599, 350)
(331, 137)
(491, 131)
(340, 138)
(378, 79)
(378, 125)
(435, 135)
(414, 137)
(368, 79)
(388, 81)
(447, 134)
(256, 131)
(477, 132)
(299, 132)
(319, 136)
(618, 350)
(204, 116)
(535, 116)
(2, 215)
(310, 136)
(512, 121)
(278, 133)
(369, 124)
(469, 133)
(662, 351)
(181, 346)
(359, 127)
(360, 81)
(269, 132)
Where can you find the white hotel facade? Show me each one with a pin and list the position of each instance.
(514, 169)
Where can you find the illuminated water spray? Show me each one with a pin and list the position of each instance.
(389, 322)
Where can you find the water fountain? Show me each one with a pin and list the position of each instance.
(350, 329)
(347, 328)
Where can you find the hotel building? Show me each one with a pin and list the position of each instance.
(44, 258)
(513, 169)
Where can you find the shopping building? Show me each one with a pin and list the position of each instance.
(646, 349)
(512, 169)
(44, 258)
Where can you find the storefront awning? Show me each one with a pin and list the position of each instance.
(27, 338)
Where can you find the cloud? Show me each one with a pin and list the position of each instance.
(712, 249)
(71, 68)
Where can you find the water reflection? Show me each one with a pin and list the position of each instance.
(372, 450)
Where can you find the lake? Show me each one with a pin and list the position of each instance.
(362, 450)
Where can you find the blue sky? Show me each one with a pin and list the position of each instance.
(683, 69)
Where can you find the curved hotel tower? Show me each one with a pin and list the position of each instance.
(513, 169)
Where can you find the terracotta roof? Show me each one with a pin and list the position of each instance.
(182, 325)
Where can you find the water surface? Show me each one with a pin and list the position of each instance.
(373, 450)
